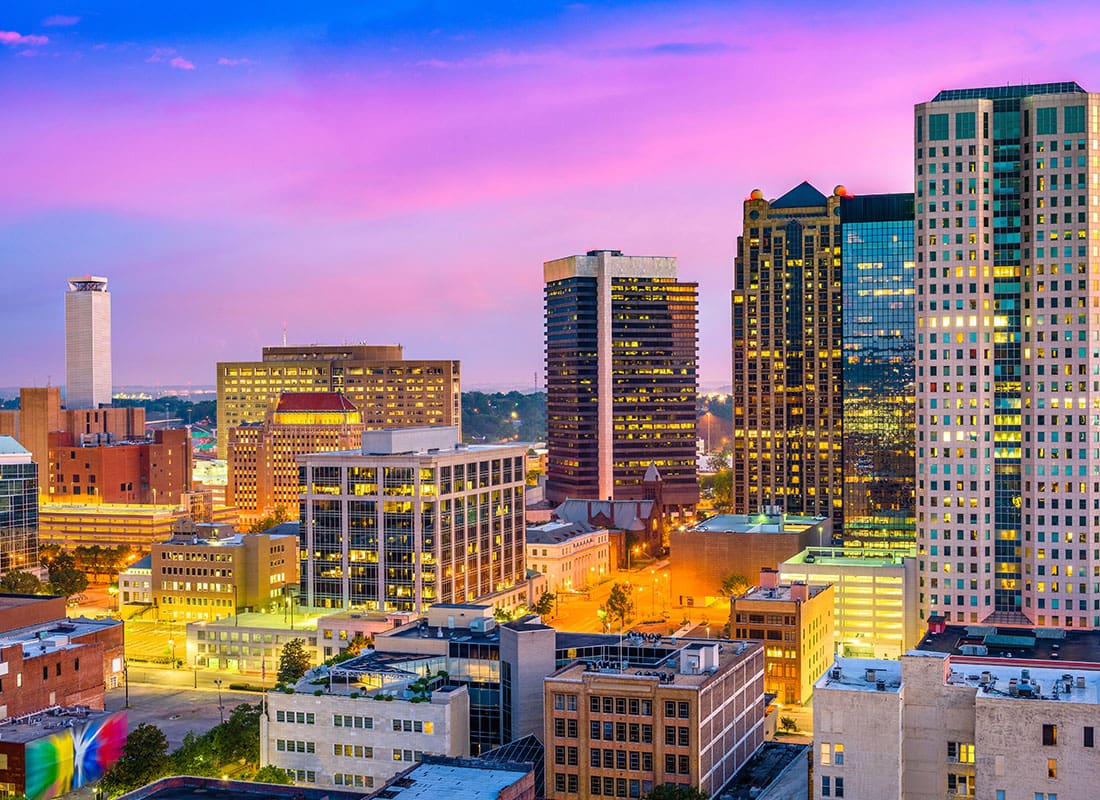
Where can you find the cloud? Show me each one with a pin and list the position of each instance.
(180, 62)
(60, 21)
(160, 54)
(676, 49)
(234, 62)
(14, 39)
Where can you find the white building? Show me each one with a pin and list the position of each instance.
(345, 735)
(250, 642)
(934, 726)
(572, 555)
(875, 593)
(87, 343)
(135, 583)
(412, 518)
(1007, 247)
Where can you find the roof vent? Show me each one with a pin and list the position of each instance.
(880, 686)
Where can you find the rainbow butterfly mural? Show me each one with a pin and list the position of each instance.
(73, 757)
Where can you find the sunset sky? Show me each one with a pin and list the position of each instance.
(398, 171)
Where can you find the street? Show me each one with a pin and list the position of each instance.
(650, 587)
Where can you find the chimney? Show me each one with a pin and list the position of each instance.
(769, 579)
(800, 591)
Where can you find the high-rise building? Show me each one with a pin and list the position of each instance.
(409, 519)
(823, 360)
(388, 390)
(18, 507)
(87, 343)
(621, 379)
(1008, 276)
(263, 473)
(877, 383)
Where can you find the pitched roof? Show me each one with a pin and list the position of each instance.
(802, 196)
(623, 515)
(314, 401)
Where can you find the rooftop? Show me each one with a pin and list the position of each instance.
(849, 557)
(758, 523)
(862, 675)
(314, 401)
(690, 664)
(304, 622)
(47, 722)
(107, 509)
(782, 593)
(145, 563)
(10, 447)
(1041, 644)
(805, 195)
(1007, 91)
(624, 515)
(557, 532)
(468, 778)
(188, 787)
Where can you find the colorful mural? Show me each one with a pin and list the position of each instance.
(74, 756)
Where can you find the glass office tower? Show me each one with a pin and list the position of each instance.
(18, 507)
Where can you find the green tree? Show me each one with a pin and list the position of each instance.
(19, 582)
(733, 584)
(47, 552)
(545, 604)
(721, 486)
(294, 661)
(503, 614)
(620, 603)
(272, 774)
(276, 517)
(65, 577)
(239, 736)
(674, 791)
(195, 756)
(144, 759)
(357, 643)
(788, 724)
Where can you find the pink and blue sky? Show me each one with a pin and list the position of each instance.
(398, 171)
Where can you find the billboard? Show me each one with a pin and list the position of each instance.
(74, 757)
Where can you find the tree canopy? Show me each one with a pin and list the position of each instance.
(620, 603)
(294, 661)
(144, 760)
(674, 791)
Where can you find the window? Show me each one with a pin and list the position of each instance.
(960, 753)
(684, 710)
(1052, 768)
(826, 786)
(1074, 119)
(838, 787)
(838, 754)
(961, 785)
(964, 127)
(1088, 736)
(826, 753)
(1046, 121)
(1050, 735)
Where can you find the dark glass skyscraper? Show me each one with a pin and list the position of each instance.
(621, 382)
(878, 335)
(18, 507)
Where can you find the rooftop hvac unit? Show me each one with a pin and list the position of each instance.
(880, 686)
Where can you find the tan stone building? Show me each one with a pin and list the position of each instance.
(263, 473)
(390, 391)
(795, 623)
(736, 544)
(692, 717)
(206, 572)
(116, 524)
(936, 726)
(572, 555)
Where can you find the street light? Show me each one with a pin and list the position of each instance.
(172, 644)
(221, 708)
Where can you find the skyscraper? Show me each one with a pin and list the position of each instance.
(823, 361)
(87, 343)
(1008, 355)
(621, 379)
(18, 507)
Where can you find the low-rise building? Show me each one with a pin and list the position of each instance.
(335, 631)
(572, 555)
(689, 712)
(874, 604)
(208, 572)
(250, 643)
(469, 778)
(135, 583)
(795, 623)
(630, 524)
(364, 724)
(936, 725)
(137, 527)
(703, 556)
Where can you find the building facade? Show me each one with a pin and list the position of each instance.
(1007, 262)
(621, 379)
(95, 468)
(208, 572)
(692, 717)
(875, 615)
(822, 321)
(262, 471)
(87, 343)
(388, 390)
(409, 519)
(935, 726)
(18, 507)
(879, 346)
(795, 623)
(572, 556)
(137, 527)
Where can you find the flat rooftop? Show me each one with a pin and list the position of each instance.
(1039, 644)
(849, 557)
(666, 670)
(256, 619)
(781, 593)
(465, 778)
(862, 675)
(188, 787)
(106, 509)
(45, 723)
(758, 523)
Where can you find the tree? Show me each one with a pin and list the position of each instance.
(47, 552)
(272, 774)
(19, 582)
(65, 578)
(294, 661)
(356, 644)
(733, 584)
(503, 614)
(545, 604)
(239, 736)
(620, 603)
(195, 756)
(722, 490)
(788, 724)
(674, 791)
(276, 517)
(144, 759)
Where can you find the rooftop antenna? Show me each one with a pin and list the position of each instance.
(284, 333)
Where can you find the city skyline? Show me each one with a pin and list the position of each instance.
(208, 181)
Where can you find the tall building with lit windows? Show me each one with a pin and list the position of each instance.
(621, 379)
(87, 343)
(1008, 355)
(409, 519)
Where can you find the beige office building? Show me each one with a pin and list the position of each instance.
(390, 391)
(87, 343)
(934, 726)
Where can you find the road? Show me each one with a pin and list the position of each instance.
(577, 612)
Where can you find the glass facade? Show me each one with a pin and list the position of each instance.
(878, 334)
(18, 513)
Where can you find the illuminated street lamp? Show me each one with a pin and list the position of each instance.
(172, 644)
(602, 614)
